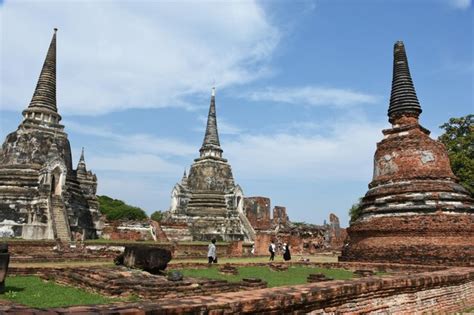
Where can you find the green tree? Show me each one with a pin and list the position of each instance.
(355, 211)
(458, 137)
(115, 209)
(157, 216)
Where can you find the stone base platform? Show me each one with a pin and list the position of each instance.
(430, 239)
(203, 228)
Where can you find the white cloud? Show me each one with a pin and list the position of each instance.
(343, 152)
(138, 163)
(312, 95)
(144, 143)
(460, 4)
(114, 55)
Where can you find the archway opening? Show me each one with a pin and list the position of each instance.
(56, 182)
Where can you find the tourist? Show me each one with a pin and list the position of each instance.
(286, 252)
(252, 251)
(272, 249)
(211, 252)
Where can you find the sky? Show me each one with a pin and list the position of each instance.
(302, 88)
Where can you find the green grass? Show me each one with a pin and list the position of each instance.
(34, 292)
(294, 275)
(256, 259)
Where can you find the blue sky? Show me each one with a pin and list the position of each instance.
(302, 88)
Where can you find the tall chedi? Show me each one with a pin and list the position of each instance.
(414, 211)
(41, 195)
(207, 203)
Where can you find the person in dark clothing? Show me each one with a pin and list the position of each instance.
(286, 252)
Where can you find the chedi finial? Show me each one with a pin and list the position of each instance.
(403, 99)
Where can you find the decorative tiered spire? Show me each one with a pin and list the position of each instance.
(81, 166)
(403, 98)
(81, 159)
(210, 145)
(184, 180)
(45, 92)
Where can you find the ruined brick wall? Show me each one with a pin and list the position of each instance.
(128, 231)
(336, 234)
(280, 216)
(235, 249)
(35, 251)
(257, 210)
(262, 241)
(439, 291)
(293, 240)
(19, 248)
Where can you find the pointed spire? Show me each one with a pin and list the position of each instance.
(211, 138)
(403, 99)
(81, 165)
(82, 155)
(184, 180)
(45, 92)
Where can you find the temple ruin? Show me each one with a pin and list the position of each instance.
(414, 211)
(207, 203)
(276, 226)
(41, 195)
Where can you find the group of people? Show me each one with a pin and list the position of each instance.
(212, 253)
(285, 249)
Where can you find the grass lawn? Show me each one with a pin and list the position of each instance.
(256, 259)
(34, 292)
(294, 275)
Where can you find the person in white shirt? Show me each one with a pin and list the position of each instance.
(211, 252)
(272, 249)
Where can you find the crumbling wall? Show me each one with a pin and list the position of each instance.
(128, 230)
(262, 241)
(257, 210)
(280, 217)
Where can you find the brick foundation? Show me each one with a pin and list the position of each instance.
(449, 290)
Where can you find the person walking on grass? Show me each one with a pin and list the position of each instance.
(286, 252)
(211, 252)
(272, 249)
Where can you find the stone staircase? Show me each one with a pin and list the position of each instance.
(60, 221)
(247, 227)
(207, 203)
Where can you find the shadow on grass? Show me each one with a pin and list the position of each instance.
(10, 288)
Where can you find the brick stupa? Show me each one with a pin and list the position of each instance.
(41, 195)
(415, 211)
